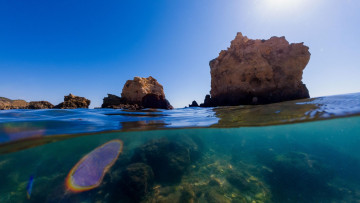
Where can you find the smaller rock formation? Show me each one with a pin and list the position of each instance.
(40, 105)
(73, 102)
(137, 94)
(258, 72)
(208, 102)
(113, 101)
(194, 104)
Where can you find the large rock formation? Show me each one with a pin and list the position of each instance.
(73, 102)
(258, 72)
(139, 93)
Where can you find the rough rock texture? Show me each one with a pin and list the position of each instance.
(137, 179)
(259, 72)
(73, 102)
(6, 104)
(134, 90)
(40, 105)
(137, 94)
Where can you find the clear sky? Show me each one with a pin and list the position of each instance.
(51, 48)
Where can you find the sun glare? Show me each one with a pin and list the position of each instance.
(283, 9)
(283, 4)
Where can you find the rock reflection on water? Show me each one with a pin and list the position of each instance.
(143, 125)
(304, 110)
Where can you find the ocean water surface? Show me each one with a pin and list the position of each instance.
(297, 151)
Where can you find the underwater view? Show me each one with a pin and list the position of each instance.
(296, 151)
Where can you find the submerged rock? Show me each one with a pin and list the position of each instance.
(73, 102)
(168, 159)
(137, 179)
(214, 197)
(238, 180)
(299, 177)
(258, 72)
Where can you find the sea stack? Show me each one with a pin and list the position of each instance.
(139, 93)
(258, 72)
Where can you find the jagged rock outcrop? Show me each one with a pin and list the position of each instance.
(73, 102)
(6, 104)
(194, 104)
(40, 105)
(137, 94)
(208, 102)
(258, 72)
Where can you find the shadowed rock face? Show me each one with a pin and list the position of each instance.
(259, 72)
(73, 102)
(155, 101)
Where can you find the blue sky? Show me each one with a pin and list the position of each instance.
(51, 48)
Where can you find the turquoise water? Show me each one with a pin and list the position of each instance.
(299, 151)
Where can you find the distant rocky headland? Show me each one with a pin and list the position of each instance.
(249, 72)
(137, 94)
(70, 102)
(258, 72)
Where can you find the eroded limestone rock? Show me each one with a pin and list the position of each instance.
(259, 72)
